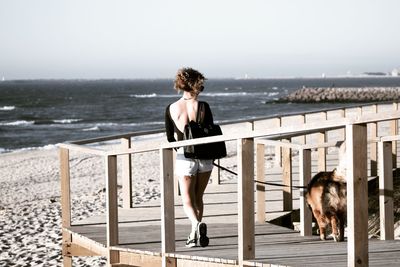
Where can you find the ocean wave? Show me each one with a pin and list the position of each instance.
(99, 126)
(17, 123)
(7, 108)
(66, 121)
(91, 129)
(45, 147)
(153, 95)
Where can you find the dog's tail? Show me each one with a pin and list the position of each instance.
(338, 176)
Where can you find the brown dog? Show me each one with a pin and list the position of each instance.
(326, 195)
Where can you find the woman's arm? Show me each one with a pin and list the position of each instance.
(169, 126)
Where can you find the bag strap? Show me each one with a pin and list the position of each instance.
(200, 113)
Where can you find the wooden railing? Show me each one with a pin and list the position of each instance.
(355, 129)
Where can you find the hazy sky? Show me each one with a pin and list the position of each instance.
(221, 38)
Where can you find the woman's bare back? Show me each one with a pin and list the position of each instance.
(181, 110)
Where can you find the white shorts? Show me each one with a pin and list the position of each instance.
(190, 167)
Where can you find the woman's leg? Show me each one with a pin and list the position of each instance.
(200, 187)
(187, 185)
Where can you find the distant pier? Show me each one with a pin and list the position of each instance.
(336, 94)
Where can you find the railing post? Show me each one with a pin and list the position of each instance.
(112, 208)
(287, 177)
(278, 149)
(373, 146)
(322, 150)
(167, 206)
(246, 239)
(394, 130)
(357, 195)
(216, 174)
(260, 188)
(65, 201)
(303, 138)
(386, 191)
(342, 114)
(305, 177)
(126, 174)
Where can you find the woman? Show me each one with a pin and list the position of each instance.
(193, 173)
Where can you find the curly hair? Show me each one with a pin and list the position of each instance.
(189, 80)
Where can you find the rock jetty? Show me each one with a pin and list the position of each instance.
(335, 94)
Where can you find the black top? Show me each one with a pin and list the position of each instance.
(171, 128)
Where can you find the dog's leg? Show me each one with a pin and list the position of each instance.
(321, 224)
(341, 226)
(335, 223)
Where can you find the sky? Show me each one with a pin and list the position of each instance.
(101, 39)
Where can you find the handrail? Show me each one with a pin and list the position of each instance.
(279, 133)
(249, 120)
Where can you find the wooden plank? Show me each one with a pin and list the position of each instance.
(126, 161)
(287, 178)
(111, 200)
(373, 134)
(386, 191)
(357, 195)
(260, 188)
(65, 187)
(136, 259)
(167, 205)
(77, 250)
(305, 177)
(246, 242)
(91, 245)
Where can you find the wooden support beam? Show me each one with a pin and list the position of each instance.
(305, 177)
(386, 191)
(342, 114)
(357, 195)
(303, 139)
(216, 174)
(277, 123)
(167, 206)
(112, 208)
(77, 250)
(394, 130)
(126, 174)
(67, 257)
(287, 177)
(321, 139)
(65, 202)
(260, 188)
(246, 239)
(65, 188)
(373, 134)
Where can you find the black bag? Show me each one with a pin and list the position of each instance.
(197, 130)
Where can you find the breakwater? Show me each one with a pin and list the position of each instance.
(333, 94)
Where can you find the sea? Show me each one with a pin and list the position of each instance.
(42, 113)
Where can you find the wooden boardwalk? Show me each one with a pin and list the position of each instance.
(154, 234)
(140, 230)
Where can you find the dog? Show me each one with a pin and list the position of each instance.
(327, 197)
